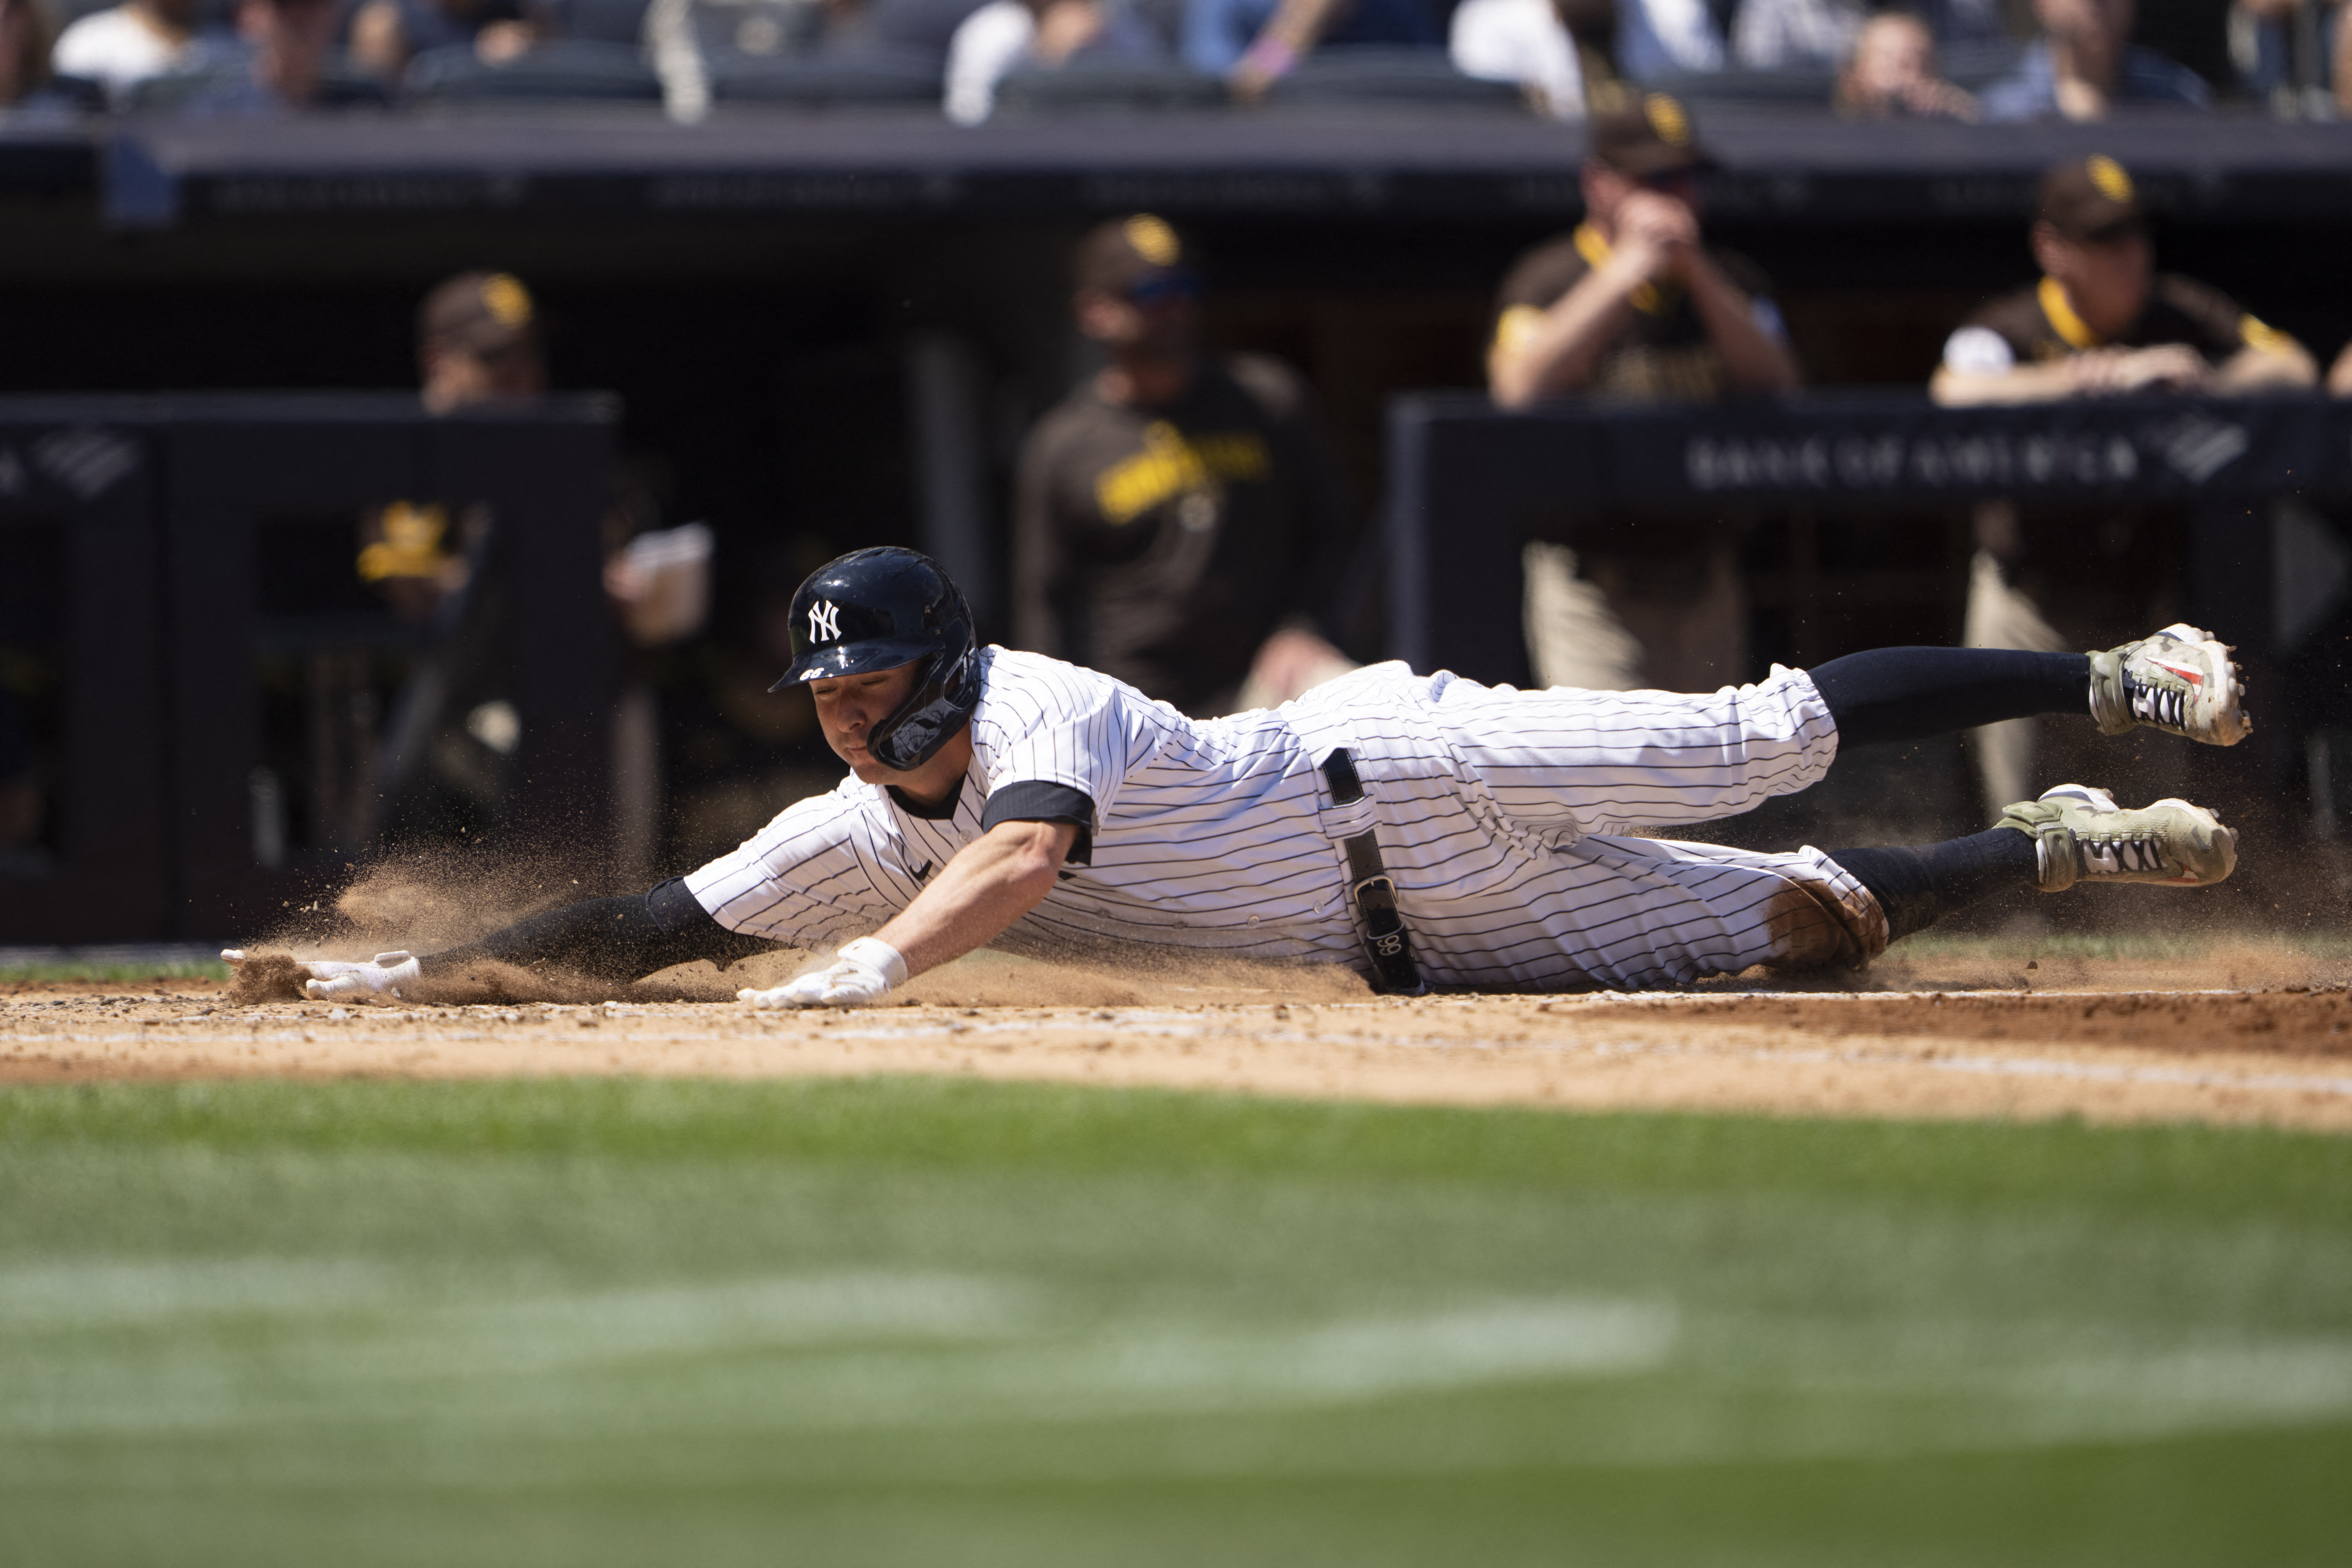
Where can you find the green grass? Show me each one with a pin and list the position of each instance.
(168, 969)
(927, 1322)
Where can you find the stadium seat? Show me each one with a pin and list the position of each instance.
(602, 21)
(923, 26)
(1975, 66)
(1794, 89)
(563, 71)
(1107, 86)
(826, 81)
(227, 88)
(1368, 73)
(722, 28)
(73, 93)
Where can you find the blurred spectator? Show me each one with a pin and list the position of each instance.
(25, 44)
(1179, 522)
(1007, 35)
(2339, 375)
(2295, 55)
(385, 35)
(289, 49)
(2101, 320)
(2083, 64)
(1561, 53)
(291, 41)
(1632, 306)
(1253, 43)
(1785, 35)
(132, 42)
(1796, 35)
(1661, 37)
(1892, 72)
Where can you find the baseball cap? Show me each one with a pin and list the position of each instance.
(479, 313)
(1141, 252)
(2090, 199)
(1651, 135)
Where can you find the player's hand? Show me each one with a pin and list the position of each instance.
(863, 973)
(1933, 97)
(2170, 367)
(1657, 232)
(333, 978)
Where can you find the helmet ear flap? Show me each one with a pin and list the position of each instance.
(947, 691)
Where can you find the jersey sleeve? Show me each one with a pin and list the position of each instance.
(818, 875)
(1050, 723)
(1973, 349)
(2212, 323)
(1533, 286)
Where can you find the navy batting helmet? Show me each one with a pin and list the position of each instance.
(877, 609)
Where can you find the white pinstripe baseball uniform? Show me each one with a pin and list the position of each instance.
(1497, 810)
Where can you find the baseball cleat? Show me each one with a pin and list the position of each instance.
(2180, 681)
(2081, 834)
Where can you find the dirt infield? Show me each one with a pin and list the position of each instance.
(2245, 1035)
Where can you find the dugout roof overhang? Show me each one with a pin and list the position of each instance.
(1397, 164)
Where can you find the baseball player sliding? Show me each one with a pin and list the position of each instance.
(1423, 829)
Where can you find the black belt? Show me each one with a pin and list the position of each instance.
(1372, 891)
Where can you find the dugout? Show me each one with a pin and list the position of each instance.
(227, 716)
(84, 855)
(1855, 511)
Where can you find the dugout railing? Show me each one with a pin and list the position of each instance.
(1893, 478)
(214, 690)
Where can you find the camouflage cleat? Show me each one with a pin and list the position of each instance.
(2081, 834)
(2180, 681)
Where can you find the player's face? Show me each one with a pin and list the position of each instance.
(848, 708)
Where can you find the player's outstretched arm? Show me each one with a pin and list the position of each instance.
(620, 939)
(991, 882)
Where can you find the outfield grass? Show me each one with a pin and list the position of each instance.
(914, 1321)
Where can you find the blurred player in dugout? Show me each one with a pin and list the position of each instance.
(1632, 306)
(2101, 320)
(1180, 522)
(479, 342)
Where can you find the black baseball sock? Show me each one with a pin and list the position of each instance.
(1917, 886)
(1911, 693)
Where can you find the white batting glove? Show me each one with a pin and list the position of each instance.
(864, 971)
(332, 977)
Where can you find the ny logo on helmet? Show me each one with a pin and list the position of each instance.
(825, 621)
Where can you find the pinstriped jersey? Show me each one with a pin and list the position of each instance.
(1197, 835)
(1495, 810)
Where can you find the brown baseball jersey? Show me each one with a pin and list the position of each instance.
(1162, 545)
(2036, 325)
(1663, 352)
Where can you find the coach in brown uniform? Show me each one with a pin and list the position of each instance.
(1180, 523)
(2101, 320)
(1632, 306)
